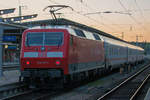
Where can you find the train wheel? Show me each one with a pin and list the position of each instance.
(109, 69)
(26, 80)
(20, 79)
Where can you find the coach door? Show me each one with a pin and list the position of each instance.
(127, 54)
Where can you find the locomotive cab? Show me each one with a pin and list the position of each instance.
(44, 54)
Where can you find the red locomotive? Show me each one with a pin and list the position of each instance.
(51, 53)
(67, 53)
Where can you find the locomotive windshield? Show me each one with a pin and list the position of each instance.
(44, 39)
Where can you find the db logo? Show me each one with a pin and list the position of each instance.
(42, 54)
(42, 62)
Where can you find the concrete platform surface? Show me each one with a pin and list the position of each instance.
(9, 77)
(147, 97)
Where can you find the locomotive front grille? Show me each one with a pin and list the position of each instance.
(42, 73)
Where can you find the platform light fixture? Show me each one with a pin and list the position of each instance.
(6, 46)
(19, 18)
(7, 11)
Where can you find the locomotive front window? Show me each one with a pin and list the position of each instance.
(53, 38)
(44, 39)
(34, 39)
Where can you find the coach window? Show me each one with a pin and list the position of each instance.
(96, 37)
(119, 51)
(113, 51)
(110, 51)
(79, 32)
(129, 51)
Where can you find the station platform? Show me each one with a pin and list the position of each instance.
(10, 64)
(10, 76)
(147, 97)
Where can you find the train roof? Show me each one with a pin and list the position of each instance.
(113, 41)
(89, 35)
(62, 21)
(120, 43)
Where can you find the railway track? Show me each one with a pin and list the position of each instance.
(33, 94)
(18, 91)
(11, 89)
(7, 68)
(39, 93)
(128, 89)
(12, 93)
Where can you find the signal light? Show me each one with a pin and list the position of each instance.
(57, 62)
(27, 62)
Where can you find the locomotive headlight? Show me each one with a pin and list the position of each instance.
(57, 62)
(27, 62)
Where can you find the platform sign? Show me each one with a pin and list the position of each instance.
(9, 38)
(12, 47)
(1, 20)
(1, 52)
(19, 18)
(7, 11)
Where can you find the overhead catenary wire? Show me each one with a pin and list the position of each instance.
(96, 21)
(59, 3)
(140, 10)
(142, 27)
(120, 12)
(104, 18)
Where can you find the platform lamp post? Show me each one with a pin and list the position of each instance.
(1, 63)
(1, 73)
(137, 38)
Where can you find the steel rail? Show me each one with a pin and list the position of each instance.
(45, 96)
(12, 97)
(10, 89)
(22, 94)
(7, 85)
(16, 95)
(121, 84)
(10, 68)
(137, 91)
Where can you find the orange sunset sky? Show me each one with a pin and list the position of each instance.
(128, 18)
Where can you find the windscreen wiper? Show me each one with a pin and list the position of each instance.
(60, 41)
(27, 42)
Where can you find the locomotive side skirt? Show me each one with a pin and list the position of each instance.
(80, 67)
(42, 73)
